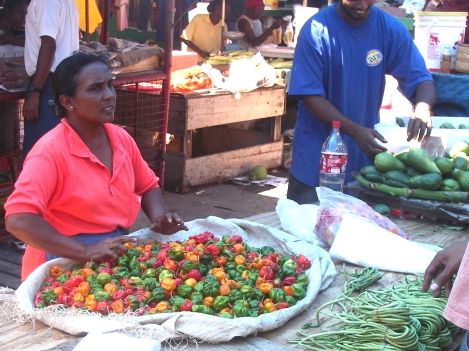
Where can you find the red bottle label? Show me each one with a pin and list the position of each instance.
(333, 163)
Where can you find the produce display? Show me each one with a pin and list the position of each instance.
(414, 173)
(228, 57)
(399, 318)
(224, 277)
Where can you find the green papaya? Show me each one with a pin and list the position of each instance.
(460, 146)
(447, 125)
(397, 179)
(371, 174)
(463, 180)
(382, 209)
(450, 185)
(429, 181)
(385, 162)
(421, 161)
(400, 122)
(444, 165)
(460, 163)
(464, 126)
(402, 156)
(412, 172)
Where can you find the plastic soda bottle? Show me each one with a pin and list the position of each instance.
(333, 160)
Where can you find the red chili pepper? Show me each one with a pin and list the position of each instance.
(119, 294)
(104, 269)
(194, 273)
(251, 256)
(161, 255)
(186, 305)
(272, 257)
(202, 238)
(212, 250)
(290, 280)
(267, 272)
(234, 239)
(281, 305)
(303, 262)
(102, 307)
(158, 263)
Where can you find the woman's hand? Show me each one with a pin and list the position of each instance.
(107, 248)
(167, 224)
(442, 268)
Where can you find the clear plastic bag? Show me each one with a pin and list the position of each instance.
(334, 205)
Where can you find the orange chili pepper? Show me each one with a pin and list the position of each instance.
(162, 306)
(265, 287)
(110, 288)
(237, 248)
(78, 297)
(288, 290)
(90, 303)
(55, 271)
(117, 306)
(168, 284)
(258, 264)
(191, 256)
(232, 283)
(216, 269)
(224, 289)
(190, 282)
(208, 301)
(245, 274)
(269, 307)
(239, 259)
(221, 260)
(227, 310)
(85, 272)
(84, 288)
(170, 264)
(58, 290)
(147, 247)
(259, 281)
(220, 275)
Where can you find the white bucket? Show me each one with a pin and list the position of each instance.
(434, 31)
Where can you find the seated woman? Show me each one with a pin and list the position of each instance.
(251, 26)
(83, 182)
(203, 34)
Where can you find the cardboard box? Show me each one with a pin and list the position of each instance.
(462, 58)
(183, 59)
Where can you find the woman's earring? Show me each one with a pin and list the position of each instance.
(72, 108)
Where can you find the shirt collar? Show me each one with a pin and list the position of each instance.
(207, 20)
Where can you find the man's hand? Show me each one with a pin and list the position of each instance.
(366, 139)
(420, 124)
(31, 107)
(442, 268)
(167, 224)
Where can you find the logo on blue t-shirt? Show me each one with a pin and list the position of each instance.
(374, 57)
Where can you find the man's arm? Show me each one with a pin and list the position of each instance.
(249, 35)
(44, 63)
(326, 112)
(194, 47)
(421, 123)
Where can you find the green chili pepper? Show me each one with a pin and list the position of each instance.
(290, 300)
(220, 303)
(302, 279)
(276, 295)
(102, 295)
(122, 272)
(187, 266)
(136, 281)
(197, 298)
(132, 302)
(240, 308)
(288, 268)
(123, 260)
(203, 268)
(265, 250)
(150, 283)
(225, 315)
(176, 254)
(211, 286)
(62, 278)
(176, 302)
(48, 296)
(165, 274)
(234, 295)
(149, 263)
(230, 265)
(133, 263)
(202, 309)
(149, 273)
(157, 294)
(299, 291)
(183, 290)
(199, 286)
(104, 278)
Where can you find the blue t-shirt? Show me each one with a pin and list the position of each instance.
(346, 64)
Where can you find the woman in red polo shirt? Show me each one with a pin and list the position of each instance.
(83, 183)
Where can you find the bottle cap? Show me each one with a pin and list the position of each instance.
(336, 124)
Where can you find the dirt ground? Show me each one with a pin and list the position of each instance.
(225, 200)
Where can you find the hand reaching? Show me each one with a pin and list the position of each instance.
(442, 268)
(167, 224)
(366, 139)
(420, 124)
(106, 248)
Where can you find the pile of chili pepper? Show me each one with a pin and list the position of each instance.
(224, 277)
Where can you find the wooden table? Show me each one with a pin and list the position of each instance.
(41, 337)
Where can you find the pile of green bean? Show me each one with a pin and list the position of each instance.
(401, 318)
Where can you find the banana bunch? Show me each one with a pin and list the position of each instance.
(229, 57)
(280, 63)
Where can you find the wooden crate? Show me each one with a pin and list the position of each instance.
(217, 137)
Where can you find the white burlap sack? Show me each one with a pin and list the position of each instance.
(203, 327)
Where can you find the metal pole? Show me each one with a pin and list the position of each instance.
(87, 19)
(222, 24)
(104, 27)
(168, 50)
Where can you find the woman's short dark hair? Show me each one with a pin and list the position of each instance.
(64, 79)
(214, 4)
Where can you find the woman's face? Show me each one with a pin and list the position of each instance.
(95, 97)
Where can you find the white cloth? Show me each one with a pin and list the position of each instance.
(200, 326)
(57, 19)
(256, 26)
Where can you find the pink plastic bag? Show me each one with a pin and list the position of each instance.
(334, 205)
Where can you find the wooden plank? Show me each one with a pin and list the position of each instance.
(225, 165)
(207, 111)
(276, 131)
(177, 120)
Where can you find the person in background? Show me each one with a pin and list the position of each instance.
(250, 24)
(12, 22)
(341, 58)
(203, 34)
(52, 34)
(450, 6)
(440, 273)
(83, 183)
(94, 16)
(237, 8)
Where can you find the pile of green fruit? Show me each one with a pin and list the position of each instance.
(413, 173)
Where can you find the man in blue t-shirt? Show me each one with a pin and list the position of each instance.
(339, 67)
